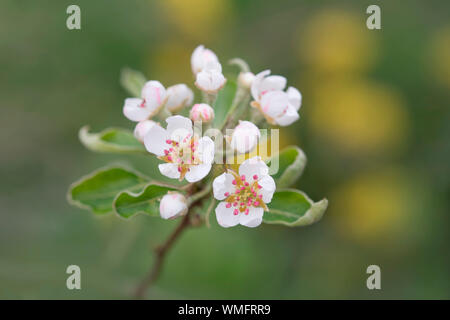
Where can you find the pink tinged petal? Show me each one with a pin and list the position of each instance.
(210, 80)
(169, 170)
(225, 216)
(253, 218)
(206, 150)
(274, 103)
(142, 128)
(223, 184)
(178, 97)
(253, 166)
(134, 110)
(179, 127)
(154, 94)
(255, 89)
(295, 97)
(198, 172)
(155, 140)
(201, 57)
(289, 116)
(267, 188)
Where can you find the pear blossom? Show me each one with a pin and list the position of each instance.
(142, 129)
(278, 107)
(185, 153)
(200, 57)
(153, 97)
(173, 205)
(178, 97)
(210, 79)
(244, 195)
(245, 137)
(202, 112)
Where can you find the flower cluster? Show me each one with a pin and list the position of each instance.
(187, 155)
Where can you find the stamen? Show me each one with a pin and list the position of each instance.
(226, 194)
(236, 212)
(255, 177)
(228, 205)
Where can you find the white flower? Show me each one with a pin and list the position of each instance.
(245, 137)
(245, 79)
(210, 79)
(200, 57)
(178, 97)
(279, 107)
(172, 205)
(142, 129)
(245, 194)
(153, 98)
(185, 154)
(202, 112)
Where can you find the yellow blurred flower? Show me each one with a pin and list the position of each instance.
(440, 55)
(198, 19)
(358, 117)
(337, 41)
(376, 206)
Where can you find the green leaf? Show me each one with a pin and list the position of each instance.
(97, 191)
(127, 203)
(132, 81)
(292, 161)
(293, 208)
(112, 140)
(223, 103)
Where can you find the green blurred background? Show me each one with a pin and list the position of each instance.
(374, 125)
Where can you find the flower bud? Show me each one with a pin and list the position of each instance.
(245, 137)
(142, 128)
(210, 79)
(245, 79)
(202, 112)
(173, 205)
(179, 96)
(200, 57)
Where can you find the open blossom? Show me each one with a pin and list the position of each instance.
(178, 97)
(244, 195)
(153, 97)
(186, 155)
(202, 112)
(200, 57)
(173, 205)
(210, 79)
(245, 137)
(142, 129)
(279, 107)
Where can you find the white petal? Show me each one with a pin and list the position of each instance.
(210, 81)
(155, 140)
(253, 218)
(154, 95)
(253, 166)
(200, 57)
(257, 83)
(289, 116)
(142, 128)
(172, 205)
(198, 172)
(272, 83)
(274, 103)
(295, 97)
(178, 127)
(223, 184)
(268, 188)
(169, 170)
(134, 110)
(225, 216)
(206, 150)
(178, 97)
(245, 137)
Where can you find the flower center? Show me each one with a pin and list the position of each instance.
(246, 194)
(183, 153)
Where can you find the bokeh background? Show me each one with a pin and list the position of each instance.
(374, 125)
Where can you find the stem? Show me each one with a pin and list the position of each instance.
(160, 253)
